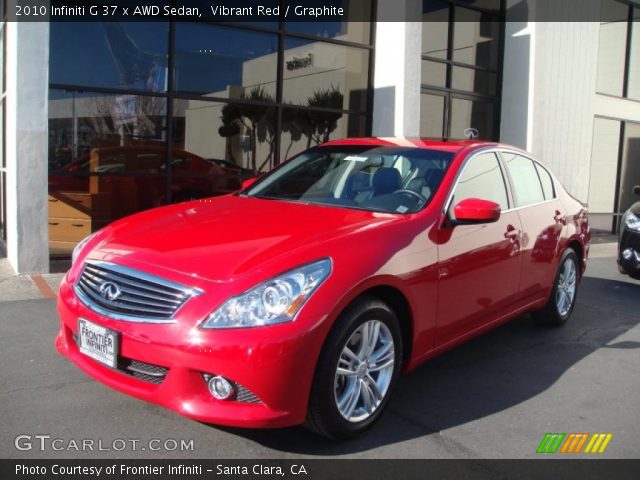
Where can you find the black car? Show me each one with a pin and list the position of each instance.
(629, 240)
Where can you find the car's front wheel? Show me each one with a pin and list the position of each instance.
(563, 295)
(356, 370)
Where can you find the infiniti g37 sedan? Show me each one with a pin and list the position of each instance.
(303, 297)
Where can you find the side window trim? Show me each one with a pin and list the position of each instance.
(497, 153)
(539, 167)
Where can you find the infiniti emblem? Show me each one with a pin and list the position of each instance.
(110, 291)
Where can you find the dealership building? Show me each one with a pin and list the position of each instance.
(101, 120)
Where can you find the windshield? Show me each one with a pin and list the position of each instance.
(380, 179)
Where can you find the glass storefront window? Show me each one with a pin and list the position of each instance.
(432, 112)
(305, 128)
(476, 38)
(461, 67)
(356, 28)
(224, 62)
(106, 133)
(356, 32)
(320, 74)
(435, 28)
(241, 137)
(121, 55)
(434, 73)
(122, 141)
(472, 113)
(472, 80)
(493, 5)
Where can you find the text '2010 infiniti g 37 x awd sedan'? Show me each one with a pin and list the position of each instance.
(303, 297)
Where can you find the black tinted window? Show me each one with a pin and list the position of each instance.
(482, 178)
(524, 180)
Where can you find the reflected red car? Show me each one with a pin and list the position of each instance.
(304, 297)
(130, 171)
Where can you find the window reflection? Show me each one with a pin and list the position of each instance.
(357, 31)
(475, 40)
(435, 28)
(432, 111)
(325, 75)
(224, 62)
(472, 113)
(460, 67)
(303, 128)
(130, 55)
(471, 80)
(82, 125)
(434, 73)
(237, 138)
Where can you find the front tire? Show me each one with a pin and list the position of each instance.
(357, 370)
(563, 295)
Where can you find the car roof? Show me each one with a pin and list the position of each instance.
(411, 142)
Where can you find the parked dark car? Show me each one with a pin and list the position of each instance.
(629, 240)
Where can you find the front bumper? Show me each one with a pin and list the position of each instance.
(275, 364)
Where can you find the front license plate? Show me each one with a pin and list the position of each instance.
(98, 342)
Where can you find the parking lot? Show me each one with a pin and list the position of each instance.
(494, 397)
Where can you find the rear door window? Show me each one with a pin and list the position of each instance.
(525, 182)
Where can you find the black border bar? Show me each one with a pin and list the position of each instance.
(321, 469)
(291, 10)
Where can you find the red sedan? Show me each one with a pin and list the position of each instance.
(303, 298)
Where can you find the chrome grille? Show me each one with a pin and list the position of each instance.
(127, 294)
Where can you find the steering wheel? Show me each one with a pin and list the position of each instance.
(419, 196)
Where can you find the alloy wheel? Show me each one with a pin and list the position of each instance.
(364, 371)
(566, 289)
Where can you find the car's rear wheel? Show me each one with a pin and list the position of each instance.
(356, 370)
(563, 295)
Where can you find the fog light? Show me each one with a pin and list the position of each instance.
(220, 387)
(627, 254)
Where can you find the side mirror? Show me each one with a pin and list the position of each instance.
(248, 182)
(636, 190)
(476, 210)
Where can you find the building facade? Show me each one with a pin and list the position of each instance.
(101, 120)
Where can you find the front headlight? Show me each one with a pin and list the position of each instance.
(275, 301)
(632, 222)
(78, 248)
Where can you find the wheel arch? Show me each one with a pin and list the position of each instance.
(578, 247)
(387, 291)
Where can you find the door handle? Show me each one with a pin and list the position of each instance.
(560, 218)
(511, 232)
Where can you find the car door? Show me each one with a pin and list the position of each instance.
(479, 265)
(542, 217)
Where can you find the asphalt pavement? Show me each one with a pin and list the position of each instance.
(494, 397)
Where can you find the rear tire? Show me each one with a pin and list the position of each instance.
(356, 371)
(563, 295)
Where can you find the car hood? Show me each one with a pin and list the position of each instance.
(222, 238)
